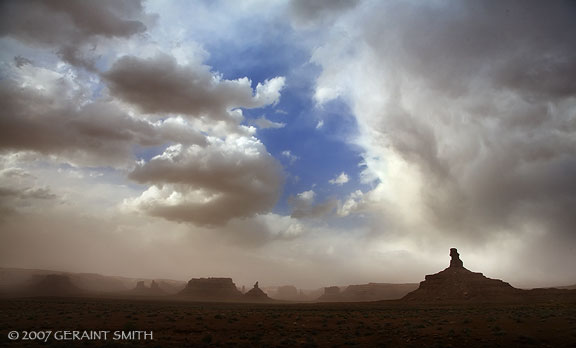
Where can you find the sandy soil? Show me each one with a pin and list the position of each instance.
(383, 324)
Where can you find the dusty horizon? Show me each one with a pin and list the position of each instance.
(310, 143)
(320, 283)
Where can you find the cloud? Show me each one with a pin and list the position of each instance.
(290, 156)
(307, 196)
(340, 179)
(14, 173)
(21, 61)
(264, 123)
(236, 178)
(310, 12)
(354, 203)
(228, 178)
(262, 229)
(34, 20)
(304, 206)
(268, 93)
(45, 112)
(464, 117)
(160, 85)
(18, 190)
(26, 193)
(66, 115)
(71, 25)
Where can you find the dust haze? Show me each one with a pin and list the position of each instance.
(123, 152)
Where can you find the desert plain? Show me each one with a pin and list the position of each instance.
(370, 324)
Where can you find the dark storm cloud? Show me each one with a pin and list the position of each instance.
(54, 113)
(14, 194)
(450, 44)
(21, 61)
(27, 193)
(161, 85)
(50, 122)
(210, 185)
(70, 24)
(547, 77)
(310, 11)
(480, 99)
(54, 22)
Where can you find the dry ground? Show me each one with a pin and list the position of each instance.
(385, 324)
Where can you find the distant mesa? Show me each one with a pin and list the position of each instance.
(256, 294)
(22, 282)
(367, 292)
(143, 290)
(54, 285)
(212, 289)
(222, 290)
(287, 292)
(290, 293)
(331, 294)
(568, 287)
(171, 287)
(456, 283)
(376, 291)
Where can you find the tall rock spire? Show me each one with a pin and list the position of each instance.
(455, 258)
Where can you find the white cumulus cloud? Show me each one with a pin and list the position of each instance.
(340, 179)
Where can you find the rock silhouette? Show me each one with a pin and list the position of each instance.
(142, 289)
(456, 283)
(212, 289)
(455, 258)
(256, 294)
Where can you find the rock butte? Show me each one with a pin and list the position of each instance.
(256, 294)
(456, 283)
(55, 285)
(212, 289)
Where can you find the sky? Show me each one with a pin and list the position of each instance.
(311, 143)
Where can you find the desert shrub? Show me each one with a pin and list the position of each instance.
(207, 339)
